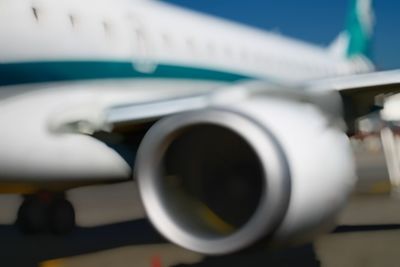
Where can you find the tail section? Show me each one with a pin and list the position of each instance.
(356, 39)
(360, 28)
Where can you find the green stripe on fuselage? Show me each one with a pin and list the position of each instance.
(52, 71)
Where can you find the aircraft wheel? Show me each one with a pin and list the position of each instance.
(61, 216)
(32, 216)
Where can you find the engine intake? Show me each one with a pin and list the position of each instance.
(217, 180)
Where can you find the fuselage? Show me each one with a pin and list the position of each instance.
(44, 41)
(159, 51)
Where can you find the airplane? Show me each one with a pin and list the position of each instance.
(233, 134)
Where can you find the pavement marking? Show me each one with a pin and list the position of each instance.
(52, 263)
(154, 255)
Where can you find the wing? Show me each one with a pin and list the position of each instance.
(371, 112)
(349, 97)
(361, 94)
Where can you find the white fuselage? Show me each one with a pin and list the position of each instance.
(149, 33)
(159, 50)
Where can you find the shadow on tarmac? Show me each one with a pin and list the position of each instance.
(21, 250)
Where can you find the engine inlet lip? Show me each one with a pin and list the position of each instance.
(273, 203)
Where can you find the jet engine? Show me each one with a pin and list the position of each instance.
(219, 179)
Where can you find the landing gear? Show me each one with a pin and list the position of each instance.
(46, 212)
(61, 216)
(32, 215)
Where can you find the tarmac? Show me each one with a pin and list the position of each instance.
(113, 231)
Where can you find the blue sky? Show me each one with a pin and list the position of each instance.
(316, 21)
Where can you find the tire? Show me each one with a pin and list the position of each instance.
(32, 216)
(61, 217)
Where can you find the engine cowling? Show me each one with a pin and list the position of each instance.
(220, 179)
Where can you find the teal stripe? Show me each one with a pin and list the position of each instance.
(37, 72)
(360, 39)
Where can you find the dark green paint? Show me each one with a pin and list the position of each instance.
(38, 72)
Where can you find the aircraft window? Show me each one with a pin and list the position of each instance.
(228, 51)
(190, 44)
(311, 68)
(166, 39)
(266, 60)
(324, 69)
(331, 69)
(143, 40)
(317, 69)
(72, 20)
(258, 58)
(279, 63)
(254, 57)
(262, 59)
(35, 13)
(106, 26)
(211, 48)
(233, 52)
(244, 55)
(139, 34)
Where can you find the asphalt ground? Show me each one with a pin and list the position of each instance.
(112, 231)
(136, 243)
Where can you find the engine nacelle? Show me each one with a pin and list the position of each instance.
(220, 179)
